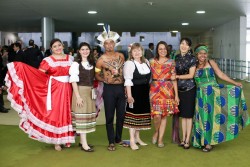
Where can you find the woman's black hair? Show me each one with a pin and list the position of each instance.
(189, 42)
(54, 41)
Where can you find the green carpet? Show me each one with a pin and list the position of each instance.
(17, 150)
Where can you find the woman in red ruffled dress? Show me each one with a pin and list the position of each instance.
(43, 97)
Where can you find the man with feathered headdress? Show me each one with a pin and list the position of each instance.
(111, 64)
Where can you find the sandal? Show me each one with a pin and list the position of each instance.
(154, 140)
(111, 147)
(161, 145)
(90, 145)
(182, 143)
(123, 144)
(67, 145)
(58, 147)
(207, 149)
(134, 146)
(186, 146)
(140, 142)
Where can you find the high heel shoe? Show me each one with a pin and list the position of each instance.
(182, 144)
(140, 142)
(87, 150)
(155, 137)
(90, 145)
(186, 146)
(134, 147)
(154, 141)
(161, 145)
(207, 148)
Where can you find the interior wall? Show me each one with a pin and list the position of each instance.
(227, 40)
(126, 38)
(7, 38)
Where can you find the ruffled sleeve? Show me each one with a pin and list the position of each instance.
(128, 71)
(74, 72)
(71, 58)
(44, 65)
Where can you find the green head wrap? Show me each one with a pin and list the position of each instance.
(201, 48)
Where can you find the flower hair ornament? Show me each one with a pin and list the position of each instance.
(130, 46)
(107, 34)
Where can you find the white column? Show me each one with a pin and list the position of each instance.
(243, 40)
(48, 29)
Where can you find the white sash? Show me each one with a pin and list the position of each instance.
(59, 78)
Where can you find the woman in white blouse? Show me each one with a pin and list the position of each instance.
(83, 105)
(137, 76)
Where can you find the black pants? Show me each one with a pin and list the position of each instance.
(114, 100)
(1, 101)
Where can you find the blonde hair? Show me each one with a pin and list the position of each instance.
(136, 46)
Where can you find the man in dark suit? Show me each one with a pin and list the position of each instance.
(149, 53)
(19, 54)
(33, 55)
(47, 53)
(2, 87)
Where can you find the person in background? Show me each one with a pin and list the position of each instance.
(163, 91)
(185, 70)
(48, 52)
(11, 53)
(97, 55)
(19, 54)
(149, 53)
(33, 56)
(220, 109)
(82, 74)
(71, 51)
(42, 50)
(175, 118)
(172, 53)
(2, 85)
(137, 76)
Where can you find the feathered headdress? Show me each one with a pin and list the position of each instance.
(107, 34)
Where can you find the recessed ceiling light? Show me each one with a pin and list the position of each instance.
(200, 11)
(92, 12)
(150, 3)
(185, 24)
(100, 24)
(175, 31)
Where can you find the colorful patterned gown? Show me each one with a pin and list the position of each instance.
(162, 97)
(28, 94)
(220, 110)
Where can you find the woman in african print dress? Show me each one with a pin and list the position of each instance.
(220, 109)
(163, 91)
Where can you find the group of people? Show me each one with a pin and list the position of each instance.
(137, 90)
